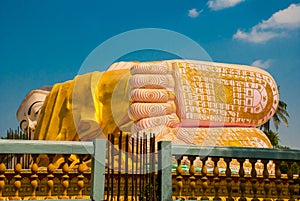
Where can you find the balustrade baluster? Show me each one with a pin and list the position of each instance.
(278, 180)
(50, 176)
(192, 178)
(2, 176)
(254, 179)
(80, 177)
(228, 179)
(179, 177)
(17, 177)
(298, 163)
(266, 180)
(216, 178)
(290, 181)
(65, 178)
(242, 179)
(298, 180)
(204, 179)
(34, 177)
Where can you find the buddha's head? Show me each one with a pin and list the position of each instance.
(30, 108)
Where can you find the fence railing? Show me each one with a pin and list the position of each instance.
(131, 168)
(41, 182)
(16, 134)
(245, 182)
(105, 169)
(170, 172)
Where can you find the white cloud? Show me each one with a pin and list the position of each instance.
(276, 26)
(222, 4)
(262, 64)
(288, 18)
(193, 13)
(256, 36)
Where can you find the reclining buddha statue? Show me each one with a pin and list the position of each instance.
(184, 101)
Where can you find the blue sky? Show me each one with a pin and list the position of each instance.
(45, 42)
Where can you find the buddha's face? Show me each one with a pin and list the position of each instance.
(28, 124)
(29, 111)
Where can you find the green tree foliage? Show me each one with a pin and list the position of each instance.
(273, 137)
(284, 166)
(281, 115)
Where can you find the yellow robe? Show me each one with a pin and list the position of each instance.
(86, 107)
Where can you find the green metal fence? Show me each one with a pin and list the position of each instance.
(240, 186)
(172, 185)
(97, 149)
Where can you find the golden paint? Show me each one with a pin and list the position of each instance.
(227, 89)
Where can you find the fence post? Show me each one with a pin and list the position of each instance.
(165, 170)
(98, 170)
